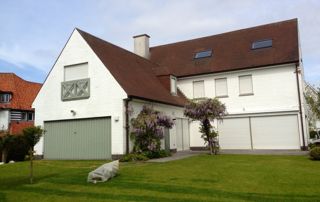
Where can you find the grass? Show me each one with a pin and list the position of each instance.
(199, 178)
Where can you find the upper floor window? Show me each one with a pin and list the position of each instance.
(76, 83)
(221, 87)
(203, 54)
(245, 85)
(266, 43)
(198, 89)
(173, 85)
(5, 98)
(75, 72)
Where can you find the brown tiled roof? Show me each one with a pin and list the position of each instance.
(23, 92)
(133, 73)
(231, 51)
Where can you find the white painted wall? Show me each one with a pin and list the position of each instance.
(274, 88)
(4, 119)
(106, 95)
(172, 111)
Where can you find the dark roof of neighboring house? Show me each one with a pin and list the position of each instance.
(231, 50)
(23, 92)
(133, 73)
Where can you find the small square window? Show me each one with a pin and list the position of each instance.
(245, 85)
(5, 98)
(266, 43)
(203, 54)
(30, 116)
(221, 87)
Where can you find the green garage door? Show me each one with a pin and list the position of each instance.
(78, 139)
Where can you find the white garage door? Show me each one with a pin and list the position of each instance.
(275, 132)
(271, 132)
(234, 133)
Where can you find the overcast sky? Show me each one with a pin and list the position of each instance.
(33, 32)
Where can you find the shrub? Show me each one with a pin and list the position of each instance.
(311, 145)
(157, 154)
(133, 157)
(313, 134)
(18, 149)
(315, 153)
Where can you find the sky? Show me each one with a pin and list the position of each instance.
(33, 32)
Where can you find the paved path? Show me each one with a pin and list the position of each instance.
(266, 152)
(186, 154)
(177, 156)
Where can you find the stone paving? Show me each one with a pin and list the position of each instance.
(186, 154)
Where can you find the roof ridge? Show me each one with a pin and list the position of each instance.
(153, 63)
(16, 76)
(229, 32)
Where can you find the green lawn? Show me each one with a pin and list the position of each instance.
(200, 178)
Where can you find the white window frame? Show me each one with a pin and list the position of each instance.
(193, 85)
(173, 85)
(249, 93)
(5, 98)
(215, 85)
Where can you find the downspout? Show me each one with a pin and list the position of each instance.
(300, 108)
(127, 123)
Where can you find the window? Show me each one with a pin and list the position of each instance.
(5, 98)
(173, 85)
(203, 54)
(30, 116)
(75, 72)
(198, 89)
(221, 87)
(23, 116)
(262, 44)
(245, 85)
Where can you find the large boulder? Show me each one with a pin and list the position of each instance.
(104, 172)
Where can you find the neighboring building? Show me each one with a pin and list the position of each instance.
(16, 97)
(95, 88)
(314, 122)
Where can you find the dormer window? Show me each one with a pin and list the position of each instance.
(266, 43)
(173, 85)
(203, 54)
(5, 98)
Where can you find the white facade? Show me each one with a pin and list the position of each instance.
(4, 119)
(106, 95)
(274, 92)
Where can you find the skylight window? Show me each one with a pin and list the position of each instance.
(262, 44)
(203, 54)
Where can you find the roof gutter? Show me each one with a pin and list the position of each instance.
(298, 71)
(156, 101)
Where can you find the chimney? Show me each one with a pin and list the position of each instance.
(141, 45)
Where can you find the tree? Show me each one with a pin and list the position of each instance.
(147, 129)
(206, 111)
(313, 100)
(32, 136)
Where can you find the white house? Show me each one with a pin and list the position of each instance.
(95, 88)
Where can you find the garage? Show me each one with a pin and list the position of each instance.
(182, 134)
(260, 132)
(78, 139)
